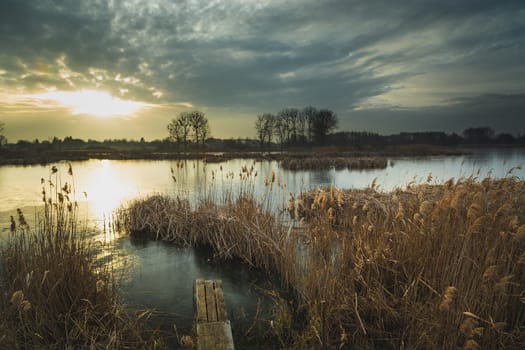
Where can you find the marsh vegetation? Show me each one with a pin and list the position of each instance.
(56, 294)
(319, 163)
(431, 265)
(428, 266)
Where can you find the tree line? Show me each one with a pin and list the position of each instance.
(470, 136)
(287, 128)
(293, 126)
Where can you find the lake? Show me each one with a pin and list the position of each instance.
(160, 276)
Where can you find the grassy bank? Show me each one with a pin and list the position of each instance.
(56, 295)
(430, 266)
(28, 157)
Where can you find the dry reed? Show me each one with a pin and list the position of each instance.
(57, 296)
(430, 266)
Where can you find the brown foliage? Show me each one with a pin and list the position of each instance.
(388, 270)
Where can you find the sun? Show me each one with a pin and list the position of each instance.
(93, 102)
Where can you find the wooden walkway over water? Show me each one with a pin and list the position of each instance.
(212, 324)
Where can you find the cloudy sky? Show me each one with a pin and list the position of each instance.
(122, 68)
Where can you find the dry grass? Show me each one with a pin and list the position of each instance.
(430, 266)
(57, 297)
(322, 162)
(421, 262)
(257, 241)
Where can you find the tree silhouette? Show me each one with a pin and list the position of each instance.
(199, 124)
(281, 129)
(189, 125)
(308, 114)
(179, 129)
(323, 122)
(292, 126)
(3, 139)
(264, 126)
(259, 128)
(290, 118)
(482, 134)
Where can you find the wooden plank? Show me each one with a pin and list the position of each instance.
(214, 335)
(212, 326)
(200, 301)
(211, 306)
(222, 315)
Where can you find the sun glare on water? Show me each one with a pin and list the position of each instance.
(106, 190)
(93, 102)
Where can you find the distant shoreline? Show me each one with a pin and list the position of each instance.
(33, 158)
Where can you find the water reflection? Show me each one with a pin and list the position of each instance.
(111, 183)
(107, 189)
(162, 276)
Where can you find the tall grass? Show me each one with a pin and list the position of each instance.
(57, 296)
(431, 266)
(426, 267)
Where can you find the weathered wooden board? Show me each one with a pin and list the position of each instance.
(221, 304)
(200, 301)
(214, 335)
(212, 325)
(211, 305)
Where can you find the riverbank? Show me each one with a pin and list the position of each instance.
(18, 157)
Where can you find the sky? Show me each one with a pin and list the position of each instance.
(106, 69)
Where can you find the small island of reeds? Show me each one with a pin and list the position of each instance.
(320, 163)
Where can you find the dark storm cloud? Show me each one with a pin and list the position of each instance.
(299, 53)
(264, 55)
(46, 29)
(503, 113)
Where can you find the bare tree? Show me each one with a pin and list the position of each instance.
(292, 126)
(264, 126)
(189, 125)
(290, 116)
(260, 129)
(269, 126)
(281, 129)
(205, 131)
(323, 122)
(199, 124)
(309, 113)
(301, 127)
(3, 139)
(179, 129)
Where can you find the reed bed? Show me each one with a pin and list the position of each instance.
(430, 266)
(320, 162)
(257, 241)
(425, 267)
(57, 296)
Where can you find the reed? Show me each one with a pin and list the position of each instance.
(324, 162)
(57, 295)
(428, 266)
(422, 260)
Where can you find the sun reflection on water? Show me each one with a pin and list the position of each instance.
(106, 190)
